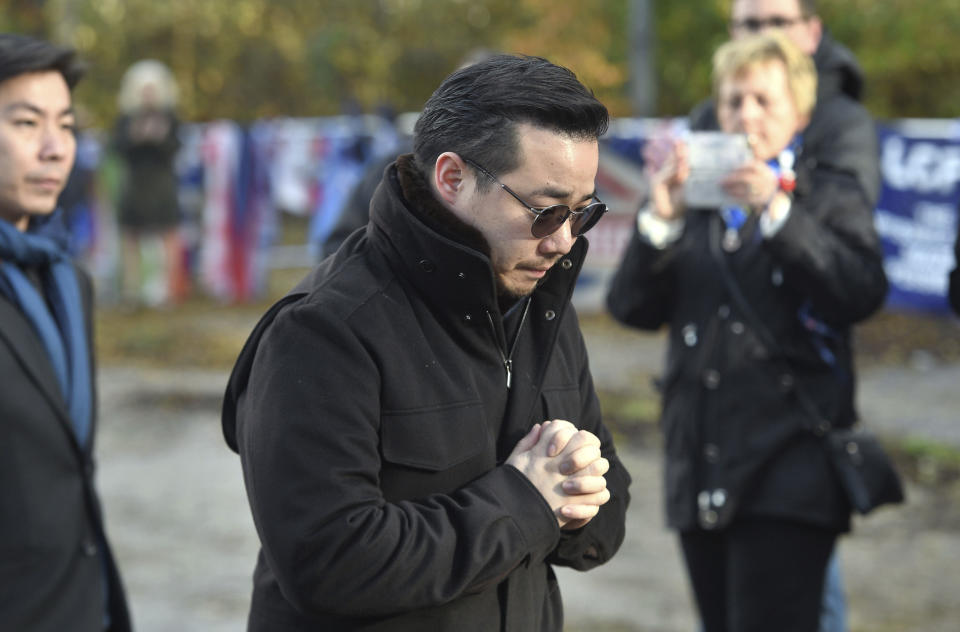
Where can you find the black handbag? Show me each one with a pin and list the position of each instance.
(864, 469)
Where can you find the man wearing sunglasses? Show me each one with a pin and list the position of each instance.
(416, 421)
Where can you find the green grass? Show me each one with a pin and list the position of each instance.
(927, 462)
(201, 332)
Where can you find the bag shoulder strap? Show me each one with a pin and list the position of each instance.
(817, 424)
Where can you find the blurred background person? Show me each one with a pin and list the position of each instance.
(792, 265)
(145, 139)
(356, 211)
(841, 134)
(78, 196)
(953, 280)
(56, 570)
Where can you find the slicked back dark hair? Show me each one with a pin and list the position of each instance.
(20, 54)
(476, 110)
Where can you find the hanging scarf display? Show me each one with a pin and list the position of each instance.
(57, 315)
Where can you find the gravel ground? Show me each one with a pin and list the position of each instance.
(179, 522)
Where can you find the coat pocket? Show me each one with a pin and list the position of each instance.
(562, 402)
(434, 438)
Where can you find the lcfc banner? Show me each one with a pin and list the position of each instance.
(916, 215)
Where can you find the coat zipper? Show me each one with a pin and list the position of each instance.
(507, 356)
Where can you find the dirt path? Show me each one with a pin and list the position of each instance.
(178, 518)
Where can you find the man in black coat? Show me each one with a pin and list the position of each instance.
(416, 421)
(56, 570)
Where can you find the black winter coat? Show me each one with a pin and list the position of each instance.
(148, 195)
(372, 418)
(737, 441)
(54, 555)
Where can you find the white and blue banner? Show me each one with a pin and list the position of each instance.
(916, 214)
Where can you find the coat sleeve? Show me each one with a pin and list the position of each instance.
(829, 250)
(842, 137)
(596, 543)
(310, 451)
(642, 291)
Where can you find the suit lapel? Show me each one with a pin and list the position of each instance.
(18, 334)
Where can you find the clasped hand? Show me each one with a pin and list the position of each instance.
(566, 467)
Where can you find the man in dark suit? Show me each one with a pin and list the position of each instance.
(56, 570)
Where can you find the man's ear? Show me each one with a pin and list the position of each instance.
(815, 29)
(450, 177)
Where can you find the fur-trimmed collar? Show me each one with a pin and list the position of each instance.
(423, 202)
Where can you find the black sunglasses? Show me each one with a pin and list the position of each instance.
(550, 218)
(755, 25)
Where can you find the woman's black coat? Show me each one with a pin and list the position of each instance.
(737, 440)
